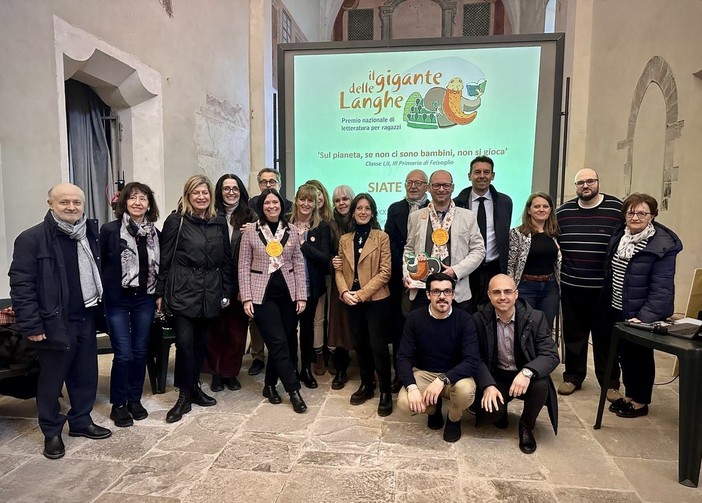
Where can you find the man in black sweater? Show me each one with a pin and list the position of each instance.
(438, 357)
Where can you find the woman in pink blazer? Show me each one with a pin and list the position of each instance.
(274, 292)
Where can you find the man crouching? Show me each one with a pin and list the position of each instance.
(438, 358)
(518, 356)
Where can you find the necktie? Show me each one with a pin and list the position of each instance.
(482, 219)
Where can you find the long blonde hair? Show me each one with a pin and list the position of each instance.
(190, 185)
(325, 212)
(306, 191)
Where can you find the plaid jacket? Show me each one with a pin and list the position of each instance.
(253, 267)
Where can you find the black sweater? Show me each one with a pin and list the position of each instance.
(447, 346)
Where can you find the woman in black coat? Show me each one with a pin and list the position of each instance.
(228, 335)
(315, 240)
(194, 283)
(129, 247)
(639, 286)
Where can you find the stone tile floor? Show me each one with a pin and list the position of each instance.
(245, 449)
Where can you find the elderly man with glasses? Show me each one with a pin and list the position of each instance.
(586, 223)
(438, 358)
(518, 356)
(449, 234)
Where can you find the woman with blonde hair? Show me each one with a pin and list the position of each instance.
(314, 243)
(194, 284)
(534, 261)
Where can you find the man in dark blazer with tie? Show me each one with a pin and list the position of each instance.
(396, 228)
(493, 211)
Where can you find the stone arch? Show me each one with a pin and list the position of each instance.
(448, 13)
(657, 71)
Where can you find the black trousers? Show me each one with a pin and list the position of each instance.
(77, 367)
(307, 354)
(479, 281)
(534, 398)
(638, 371)
(397, 319)
(191, 335)
(584, 313)
(276, 319)
(368, 322)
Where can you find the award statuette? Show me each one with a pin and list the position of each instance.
(440, 237)
(274, 249)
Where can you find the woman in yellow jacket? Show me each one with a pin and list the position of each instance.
(362, 275)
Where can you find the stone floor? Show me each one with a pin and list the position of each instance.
(245, 449)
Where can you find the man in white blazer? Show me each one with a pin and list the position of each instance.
(447, 232)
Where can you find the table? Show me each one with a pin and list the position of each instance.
(690, 405)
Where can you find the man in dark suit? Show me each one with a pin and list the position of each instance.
(493, 211)
(55, 288)
(518, 356)
(268, 178)
(396, 228)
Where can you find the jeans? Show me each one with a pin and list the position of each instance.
(541, 295)
(129, 319)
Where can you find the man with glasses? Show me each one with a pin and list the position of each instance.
(438, 358)
(493, 211)
(396, 228)
(518, 356)
(586, 224)
(268, 178)
(450, 234)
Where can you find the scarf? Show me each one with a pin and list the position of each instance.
(274, 263)
(437, 250)
(90, 283)
(415, 205)
(129, 256)
(628, 242)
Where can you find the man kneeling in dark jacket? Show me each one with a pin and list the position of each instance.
(518, 355)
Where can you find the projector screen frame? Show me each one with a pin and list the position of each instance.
(287, 51)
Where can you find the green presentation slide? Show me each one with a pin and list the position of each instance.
(367, 119)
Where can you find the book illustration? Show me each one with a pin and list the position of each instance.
(420, 266)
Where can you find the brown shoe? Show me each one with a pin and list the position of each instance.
(613, 395)
(318, 366)
(567, 388)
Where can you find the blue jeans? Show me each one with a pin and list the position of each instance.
(541, 295)
(129, 319)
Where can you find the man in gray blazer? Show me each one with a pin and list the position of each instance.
(450, 234)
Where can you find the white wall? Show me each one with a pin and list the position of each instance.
(201, 54)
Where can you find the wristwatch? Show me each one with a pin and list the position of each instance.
(527, 373)
(444, 379)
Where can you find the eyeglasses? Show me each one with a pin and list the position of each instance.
(445, 186)
(436, 292)
(268, 183)
(499, 293)
(638, 214)
(589, 181)
(230, 190)
(415, 183)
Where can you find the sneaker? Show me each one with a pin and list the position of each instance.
(137, 410)
(613, 395)
(120, 415)
(567, 388)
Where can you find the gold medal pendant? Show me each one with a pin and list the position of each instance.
(440, 237)
(274, 249)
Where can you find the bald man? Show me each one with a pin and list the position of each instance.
(55, 288)
(587, 224)
(416, 183)
(518, 356)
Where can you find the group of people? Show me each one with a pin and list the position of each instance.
(476, 332)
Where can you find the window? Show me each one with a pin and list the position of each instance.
(360, 24)
(476, 19)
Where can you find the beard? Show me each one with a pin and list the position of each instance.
(593, 194)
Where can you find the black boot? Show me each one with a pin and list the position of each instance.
(271, 393)
(182, 406)
(232, 383)
(436, 420)
(340, 379)
(297, 402)
(362, 394)
(198, 397)
(308, 379)
(216, 384)
(385, 404)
